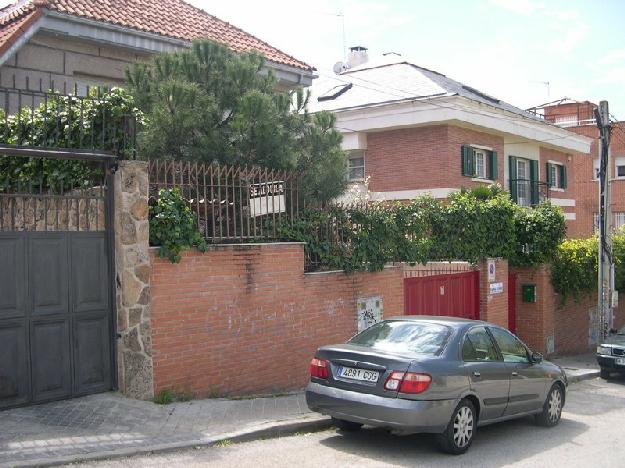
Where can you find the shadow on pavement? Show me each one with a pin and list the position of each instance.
(511, 441)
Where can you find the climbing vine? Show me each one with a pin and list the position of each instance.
(173, 226)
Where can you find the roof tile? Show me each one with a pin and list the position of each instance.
(172, 18)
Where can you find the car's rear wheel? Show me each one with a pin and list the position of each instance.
(347, 426)
(552, 409)
(458, 435)
(605, 374)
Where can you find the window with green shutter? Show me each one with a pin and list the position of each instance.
(492, 165)
(468, 161)
(563, 177)
(478, 162)
(556, 175)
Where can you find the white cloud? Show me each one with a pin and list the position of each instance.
(572, 34)
(613, 57)
(523, 7)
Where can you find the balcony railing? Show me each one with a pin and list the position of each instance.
(527, 192)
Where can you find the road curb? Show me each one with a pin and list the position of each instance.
(266, 430)
(581, 377)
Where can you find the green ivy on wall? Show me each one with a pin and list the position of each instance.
(575, 267)
(173, 226)
(471, 225)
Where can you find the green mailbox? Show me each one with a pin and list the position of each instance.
(529, 292)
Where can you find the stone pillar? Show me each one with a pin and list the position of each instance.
(132, 261)
(494, 292)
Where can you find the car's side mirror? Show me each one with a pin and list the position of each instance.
(537, 358)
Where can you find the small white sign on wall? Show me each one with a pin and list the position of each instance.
(491, 270)
(495, 288)
(370, 311)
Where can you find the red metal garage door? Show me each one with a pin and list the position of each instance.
(456, 295)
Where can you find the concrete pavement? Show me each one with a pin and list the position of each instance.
(589, 435)
(109, 425)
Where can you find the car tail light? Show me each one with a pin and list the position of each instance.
(319, 368)
(408, 382)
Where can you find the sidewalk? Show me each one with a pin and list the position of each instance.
(578, 367)
(108, 424)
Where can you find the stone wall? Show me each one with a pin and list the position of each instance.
(134, 347)
(49, 61)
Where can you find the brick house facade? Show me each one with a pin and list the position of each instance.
(578, 117)
(410, 131)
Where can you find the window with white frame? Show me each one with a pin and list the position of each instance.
(356, 166)
(480, 163)
(619, 168)
(556, 175)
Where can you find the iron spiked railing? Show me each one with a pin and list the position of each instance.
(231, 203)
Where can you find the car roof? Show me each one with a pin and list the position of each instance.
(443, 320)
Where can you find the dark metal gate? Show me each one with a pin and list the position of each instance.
(56, 284)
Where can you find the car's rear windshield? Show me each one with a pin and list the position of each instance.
(404, 337)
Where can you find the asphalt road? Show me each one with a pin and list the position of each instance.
(591, 433)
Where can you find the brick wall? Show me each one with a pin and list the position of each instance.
(424, 157)
(246, 319)
(586, 187)
(494, 307)
(566, 324)
(535, 322)
(568, 194)
(573, 318)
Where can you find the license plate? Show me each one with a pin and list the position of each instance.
(358, 374)
(620, 361)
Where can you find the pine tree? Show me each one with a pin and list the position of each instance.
(211, 104)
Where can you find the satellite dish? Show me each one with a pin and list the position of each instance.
(340, 67)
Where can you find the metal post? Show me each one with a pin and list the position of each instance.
(605, 261)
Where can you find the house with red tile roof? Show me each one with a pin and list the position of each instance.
(68, 44)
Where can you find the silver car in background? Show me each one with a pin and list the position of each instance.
(441, 375)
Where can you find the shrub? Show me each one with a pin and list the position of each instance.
(173, 225)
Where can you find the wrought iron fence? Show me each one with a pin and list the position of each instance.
(232, 203)
(527, 192)
(87, 119)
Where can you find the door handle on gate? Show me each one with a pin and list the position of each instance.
(515, 374)
(477, 374)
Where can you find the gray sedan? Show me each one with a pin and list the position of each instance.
(438, 375)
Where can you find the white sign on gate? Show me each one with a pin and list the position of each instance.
(267, 198)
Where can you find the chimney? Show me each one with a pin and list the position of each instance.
(357, 56)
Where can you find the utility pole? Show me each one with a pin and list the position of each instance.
(606, 264)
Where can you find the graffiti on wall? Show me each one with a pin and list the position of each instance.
(370, 310)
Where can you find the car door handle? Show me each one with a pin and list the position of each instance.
(477, 374)
(515, 374)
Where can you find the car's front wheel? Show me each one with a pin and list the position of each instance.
(347, 426)
(458, 435)
(552, 409)
(604, 374)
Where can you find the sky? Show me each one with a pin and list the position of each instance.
(507, 48)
